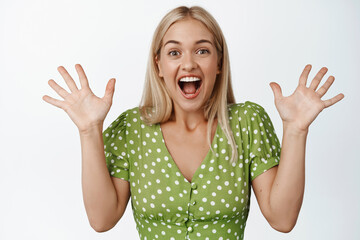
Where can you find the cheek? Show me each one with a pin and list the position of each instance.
(211, 69)
(168, 69)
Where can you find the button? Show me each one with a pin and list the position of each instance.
(190, 229)
(193, 185)
(193, 203)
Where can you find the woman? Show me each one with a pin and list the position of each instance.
(188, 154)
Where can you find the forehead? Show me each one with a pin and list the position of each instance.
(188, 30)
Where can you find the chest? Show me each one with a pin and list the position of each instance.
(188, 150)
(165, 180)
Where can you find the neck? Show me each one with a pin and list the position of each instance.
(188, 120)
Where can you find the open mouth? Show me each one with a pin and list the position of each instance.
(190, 86)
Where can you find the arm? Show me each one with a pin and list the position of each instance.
(280, 190)
(105, 197)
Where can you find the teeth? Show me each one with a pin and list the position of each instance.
(189, 79)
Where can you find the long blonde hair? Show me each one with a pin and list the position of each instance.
(156, 105)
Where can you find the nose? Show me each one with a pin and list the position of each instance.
(188, 63)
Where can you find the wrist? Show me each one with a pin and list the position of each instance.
(91, 130)
(294, 129)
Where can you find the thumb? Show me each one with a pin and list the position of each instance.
(276, 90)
(109, 91)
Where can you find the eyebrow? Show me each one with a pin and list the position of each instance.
(197, 42)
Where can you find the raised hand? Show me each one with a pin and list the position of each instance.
(301, 108)
(84, 108)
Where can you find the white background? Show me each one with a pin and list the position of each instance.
(40, 172)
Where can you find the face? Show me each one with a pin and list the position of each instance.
(188, 64)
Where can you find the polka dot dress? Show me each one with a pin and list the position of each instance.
(215, 205)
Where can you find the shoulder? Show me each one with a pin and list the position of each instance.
(249, 117)
(246, 109)
(132, 116)
(129, 115)
(126, 119)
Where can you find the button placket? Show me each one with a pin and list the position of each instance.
(192, 202)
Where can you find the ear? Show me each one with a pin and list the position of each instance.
(218, 70)
(158, 65)
(219, 66)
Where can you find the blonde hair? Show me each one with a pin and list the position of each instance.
(156, 105)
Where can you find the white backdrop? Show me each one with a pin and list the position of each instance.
(40, 172)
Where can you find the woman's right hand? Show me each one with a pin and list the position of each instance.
(84, 108)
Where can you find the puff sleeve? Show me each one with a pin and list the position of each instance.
(264, 146)
(115, 148)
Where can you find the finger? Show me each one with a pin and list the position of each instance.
(276, 90)
(325, 87)
(82, 76)
(62, 92)
(304, 75)
(333, 100)
(68, 79)
(109, 91)
(53, 101)
(317, 79)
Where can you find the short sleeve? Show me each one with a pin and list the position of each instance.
(264, 145)
(115, 148)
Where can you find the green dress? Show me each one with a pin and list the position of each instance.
(215, 204)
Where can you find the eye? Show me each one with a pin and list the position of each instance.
(203, 51)
(173, 53)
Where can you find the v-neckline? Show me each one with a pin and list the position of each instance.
(173, 161)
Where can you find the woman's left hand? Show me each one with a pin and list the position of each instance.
(301, 108)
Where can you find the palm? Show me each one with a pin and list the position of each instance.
(83, 107)
(302, 107)
(86, 107)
